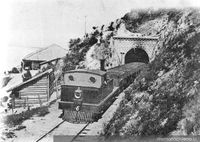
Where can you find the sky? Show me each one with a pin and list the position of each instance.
(31, 24)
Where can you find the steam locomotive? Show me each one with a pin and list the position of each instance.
(87, 94)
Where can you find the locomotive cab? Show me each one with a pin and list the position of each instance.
(82, 93)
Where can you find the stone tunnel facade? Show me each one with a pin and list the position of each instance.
(122, 47)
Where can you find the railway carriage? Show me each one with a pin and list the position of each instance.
(87, 94)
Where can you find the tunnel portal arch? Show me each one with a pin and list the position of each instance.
(136, 55)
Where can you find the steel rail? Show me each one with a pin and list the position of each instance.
(80, 132)
(50, 131)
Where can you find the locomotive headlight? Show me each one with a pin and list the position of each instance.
(78, 93)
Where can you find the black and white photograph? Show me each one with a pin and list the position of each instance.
(100, 71)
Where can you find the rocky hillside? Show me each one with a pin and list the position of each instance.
(164, 101)
(85, 52)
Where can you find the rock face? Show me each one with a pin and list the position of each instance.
(166, 99)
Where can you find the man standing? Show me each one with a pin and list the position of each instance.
(26, 75)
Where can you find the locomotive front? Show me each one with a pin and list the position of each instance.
(81, 93)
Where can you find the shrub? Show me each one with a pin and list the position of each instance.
(78, 49)
(17, 119)
(14, 70)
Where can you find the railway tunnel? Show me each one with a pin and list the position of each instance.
(136, 55)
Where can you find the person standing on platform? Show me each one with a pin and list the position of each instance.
(26, 74)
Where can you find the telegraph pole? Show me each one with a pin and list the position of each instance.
(85, 25)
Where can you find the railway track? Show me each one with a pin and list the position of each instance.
(80, 132)
(50, 131)
(73, 139)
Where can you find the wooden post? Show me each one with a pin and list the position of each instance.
(27, 103)
(56, 89)
(48, 87)
(39, 100)
(24, 103)
(12, 104)
(12, 101)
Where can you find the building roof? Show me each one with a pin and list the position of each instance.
(46, 62)
(49, 53)
(30, 80)
(97, 72)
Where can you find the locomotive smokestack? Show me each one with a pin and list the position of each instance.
(102, 66)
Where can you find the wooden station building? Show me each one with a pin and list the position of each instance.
(36, 90)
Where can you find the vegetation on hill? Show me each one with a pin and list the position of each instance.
(165, 100)
(100, 37)
(78, 49)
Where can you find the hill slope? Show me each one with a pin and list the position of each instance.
(166, 99)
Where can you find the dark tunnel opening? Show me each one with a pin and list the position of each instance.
(136, 55)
